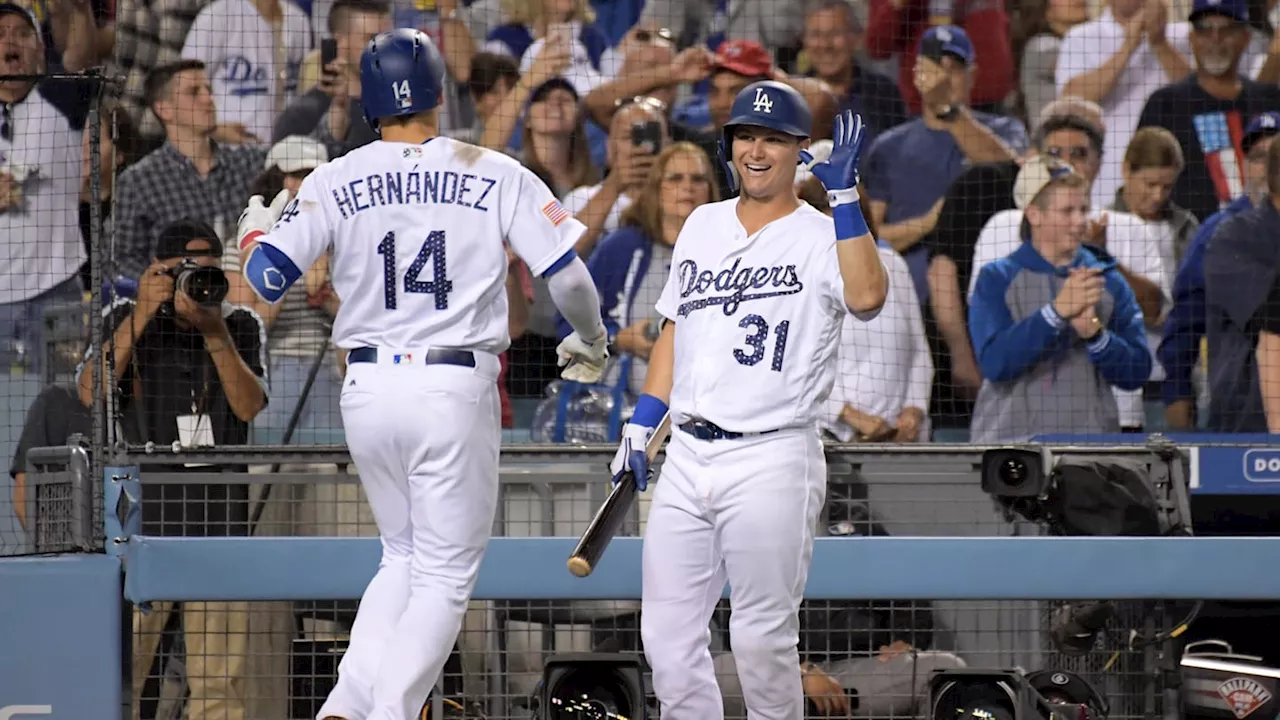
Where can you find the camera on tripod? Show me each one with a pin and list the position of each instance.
(1088, 495)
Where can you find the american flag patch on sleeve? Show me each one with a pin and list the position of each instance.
(555, 212)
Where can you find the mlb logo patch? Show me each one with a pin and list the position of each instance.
(412, 152)
(555, 212)
(402, 359)
(1243, 696)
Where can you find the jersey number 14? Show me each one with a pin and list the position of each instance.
(432, 251)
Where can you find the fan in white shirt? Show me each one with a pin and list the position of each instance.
(884, 369)
(253, 61)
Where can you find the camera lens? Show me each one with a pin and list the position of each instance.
(1014, 471)
(205, 285)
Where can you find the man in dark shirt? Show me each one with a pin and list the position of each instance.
(54, 416)
(1208, 111)
(195, 374)
(1242, 315)
(832, 34)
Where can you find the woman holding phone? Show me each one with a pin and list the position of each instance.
(567, 24)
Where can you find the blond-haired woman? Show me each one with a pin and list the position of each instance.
(631, 265)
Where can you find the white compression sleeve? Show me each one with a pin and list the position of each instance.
(575, 296)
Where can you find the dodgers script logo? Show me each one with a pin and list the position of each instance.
(736, 285)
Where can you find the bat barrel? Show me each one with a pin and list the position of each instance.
(604, 526)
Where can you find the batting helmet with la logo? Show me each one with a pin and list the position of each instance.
(771, 104)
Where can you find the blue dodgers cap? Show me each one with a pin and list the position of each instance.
(1264, 125)
(1237, 10)
(947, 40)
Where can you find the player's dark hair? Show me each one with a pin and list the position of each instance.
(160, 79)
(487, 70)
(645, 212)
(342, 11)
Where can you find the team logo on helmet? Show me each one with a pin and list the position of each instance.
(762, 102)
(944, 35)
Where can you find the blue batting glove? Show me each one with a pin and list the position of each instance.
(631, 456)
(839, 175)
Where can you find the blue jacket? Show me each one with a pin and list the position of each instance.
(1179, 351)
(617, 266)
(1039, 376)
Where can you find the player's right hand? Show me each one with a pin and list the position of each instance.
(631, 457)
(583, 361)
(260, 218)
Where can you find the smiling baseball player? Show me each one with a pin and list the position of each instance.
(417, 224)
(758, 291)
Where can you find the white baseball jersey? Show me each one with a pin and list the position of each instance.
(253, 71)
(417, 234)
(757, 319)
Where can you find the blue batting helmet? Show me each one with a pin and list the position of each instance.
(401, 73)
(771, 104)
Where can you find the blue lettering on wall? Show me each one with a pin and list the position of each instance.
(416, 187)
(733, 285)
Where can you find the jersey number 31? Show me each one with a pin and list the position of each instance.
(432, 251)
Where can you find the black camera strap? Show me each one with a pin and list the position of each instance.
(200, 403)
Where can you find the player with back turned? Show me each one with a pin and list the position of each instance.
(417, 225)
(758, 290)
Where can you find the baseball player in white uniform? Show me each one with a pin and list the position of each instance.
(417, 224)
(758, 291)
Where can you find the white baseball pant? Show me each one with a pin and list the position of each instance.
(744, 511)
(425, 441)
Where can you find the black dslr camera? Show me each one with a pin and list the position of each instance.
(206, 284)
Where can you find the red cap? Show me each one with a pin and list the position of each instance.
(745, 57)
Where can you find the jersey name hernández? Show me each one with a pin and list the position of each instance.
(417, 234)
(757, 319)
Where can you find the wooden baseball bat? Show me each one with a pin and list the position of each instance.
(613, 512)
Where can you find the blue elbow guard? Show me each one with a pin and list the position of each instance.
(270, 272)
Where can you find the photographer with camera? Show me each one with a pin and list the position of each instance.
(188, 368)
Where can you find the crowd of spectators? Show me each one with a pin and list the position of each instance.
(1162, 114)
(1069, 195)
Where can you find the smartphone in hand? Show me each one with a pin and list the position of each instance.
(328, 52)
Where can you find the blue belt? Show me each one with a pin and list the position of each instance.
(433, 356)
(704, 430)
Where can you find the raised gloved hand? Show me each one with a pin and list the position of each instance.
(839, 175)
(631, 456)
(583, 361)
(258, 219)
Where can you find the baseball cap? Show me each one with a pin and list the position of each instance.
(947, 40)
(296, 153)
(540, 93)
(1264, 125)
(9, 8)
(1237, 10)
(1036, 173)
(745, 57)
(173, 240)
